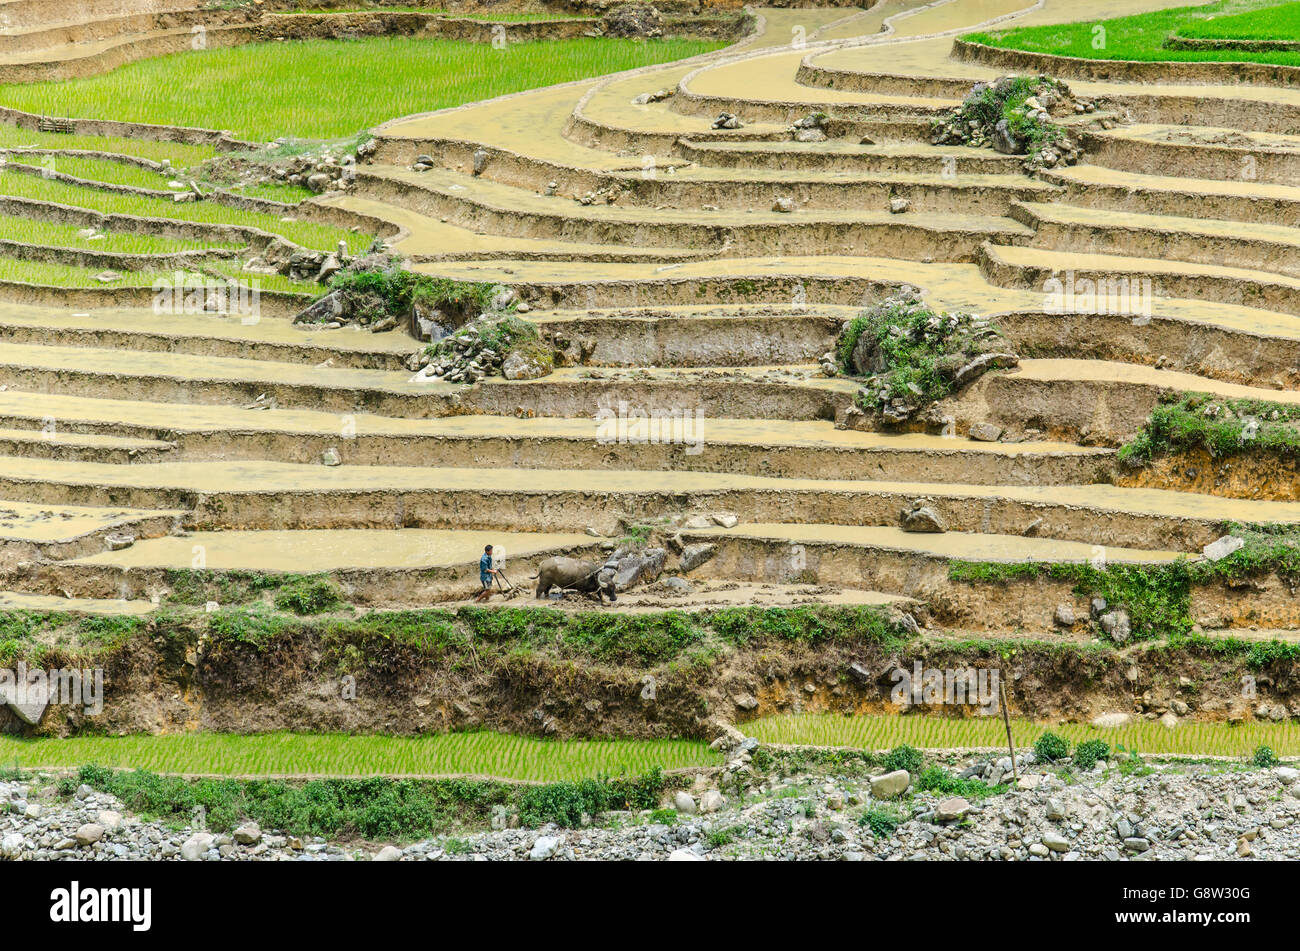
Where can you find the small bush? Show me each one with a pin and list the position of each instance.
(309, 596)
(1264, 757)
(882, 821)
(1049, 747)
(903, 757)
(1088, 753)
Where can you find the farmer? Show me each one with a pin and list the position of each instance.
(485, 574)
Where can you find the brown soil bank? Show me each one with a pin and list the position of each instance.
(547, 672)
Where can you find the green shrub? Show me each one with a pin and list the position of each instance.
(903, 757)
(936, 779)
(882, 821)
(1088, 753)
(1264, 757)
(309, 596)
(1049, 748)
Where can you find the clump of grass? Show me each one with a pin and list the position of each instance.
(903, 757)
(1221, 427)
(882, 820)
(309, 596)
(1088, 753)
(373, 292)
(1050, 747)
(912, 356)
(1264, 757)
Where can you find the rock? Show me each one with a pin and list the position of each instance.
(1055, 841)
(1111, 721)
(1064, 616)
(695, 555)
(248, 833)
(109, 819)
(685, 802)
(985, 432)
(952, 808)
(784, 205)
(196, 846)
(745, 701)
(725, 520)
(890, 785)
(544, 847)
(638, 567)
(523, 364)
(1029, 781)
(1136, 844)
(1287, 774)
(712, 801)
(677, 585)
(389, 853)
(1004, 141)
(899, 205)
(1116, 625)
(921, 518)
(1222, 547)
(809, 135)
(326, 310)
(1055, 810)
(89, 834)
(1097, 607)
(480, 161)
(726, 120)
(11, 846)
(1169, 721)
(1039, 850)
(684, 855)
(318, 182)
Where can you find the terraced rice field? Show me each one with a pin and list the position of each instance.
(674, 266)
(289, 754)
(1143, 736)
(369, 81)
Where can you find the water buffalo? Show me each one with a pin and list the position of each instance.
(587, 577)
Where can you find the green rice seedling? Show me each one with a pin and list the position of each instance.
(306, 233)
(96, 170)
(256, 91)
(57, 235)
(179, 154)
(478, 754)
(273, 191)
(883, 732)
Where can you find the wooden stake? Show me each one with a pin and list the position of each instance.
(1006, 720)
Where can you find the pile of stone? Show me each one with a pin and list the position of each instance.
(970, 345)
(494, 344)
(1051, 99)
(633, 20)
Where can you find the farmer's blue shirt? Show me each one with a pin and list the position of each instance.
(484, 565)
